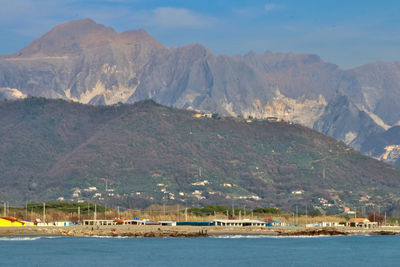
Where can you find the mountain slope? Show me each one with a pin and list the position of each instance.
(149, 153)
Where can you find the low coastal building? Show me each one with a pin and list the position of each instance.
(361, 223)
(238, 223)
(63, 223)
(194, 223)
(275, 223)
(99, 222)
(167, 223)
(323, 224)
(135, 222)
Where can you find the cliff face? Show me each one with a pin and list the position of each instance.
(90, 63)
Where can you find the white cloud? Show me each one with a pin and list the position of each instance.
(171, 17)
(270, 6)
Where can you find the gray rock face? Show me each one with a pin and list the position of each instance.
(377, 87)
(384, 146)
(343, 120)
(90, 63)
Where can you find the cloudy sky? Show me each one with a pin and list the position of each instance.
(346, 32)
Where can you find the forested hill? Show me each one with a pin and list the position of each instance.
(146, 153)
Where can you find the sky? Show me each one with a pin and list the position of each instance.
(348, 33)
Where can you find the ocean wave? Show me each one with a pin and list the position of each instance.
(22, 238)
(99, 236)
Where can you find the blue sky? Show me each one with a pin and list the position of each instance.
(348, 33)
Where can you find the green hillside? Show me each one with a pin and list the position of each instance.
(142, 154)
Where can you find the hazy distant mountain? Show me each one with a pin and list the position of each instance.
(90, 63)
(148, 153)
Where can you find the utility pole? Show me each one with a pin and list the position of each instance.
(186, 214)
(297, 217)
(385, 217)
(227, 214)
(240, 214)
(164, 210)
(79, 214)
(306, 216)
(95, 212)
(233, 210)
(44, 212)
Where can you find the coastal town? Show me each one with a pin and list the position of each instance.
(230, 225)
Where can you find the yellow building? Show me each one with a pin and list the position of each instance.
(10, 222)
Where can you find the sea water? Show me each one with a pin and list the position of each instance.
(209, 251)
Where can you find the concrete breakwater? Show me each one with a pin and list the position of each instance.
(186, 231)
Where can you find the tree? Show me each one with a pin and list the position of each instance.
(375, 217)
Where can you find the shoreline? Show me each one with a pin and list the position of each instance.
(188, 231)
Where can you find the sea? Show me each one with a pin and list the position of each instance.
(233, 250)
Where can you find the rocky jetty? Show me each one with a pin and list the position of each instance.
(313, 232)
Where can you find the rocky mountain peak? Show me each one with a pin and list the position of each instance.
(75, 36)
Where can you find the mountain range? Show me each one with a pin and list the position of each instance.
(92, 64)
(134, 155)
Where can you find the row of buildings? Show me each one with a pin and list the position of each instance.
(353, 222)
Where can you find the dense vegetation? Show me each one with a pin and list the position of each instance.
(148, 153)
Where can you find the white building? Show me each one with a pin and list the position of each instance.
(238, 223)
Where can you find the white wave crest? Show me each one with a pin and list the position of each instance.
(99, 236)
(22, 238)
